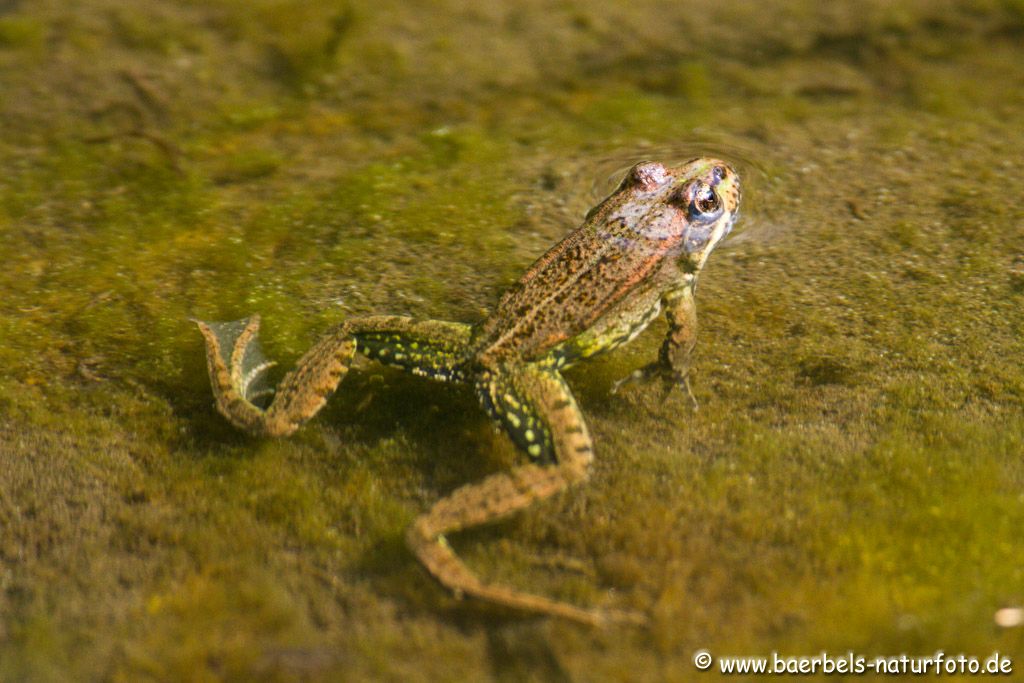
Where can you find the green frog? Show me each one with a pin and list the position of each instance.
(636, 253)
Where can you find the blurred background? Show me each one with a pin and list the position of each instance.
(853, 479)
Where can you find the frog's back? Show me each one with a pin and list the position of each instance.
(557, 298)
(571, 288)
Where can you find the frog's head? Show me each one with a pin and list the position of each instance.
(699, 202)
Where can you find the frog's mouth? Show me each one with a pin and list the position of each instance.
(697, 237)
(732, 221)
(702, 237)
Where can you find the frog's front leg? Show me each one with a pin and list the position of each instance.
(677, 349)
(237, 367)
(535, 407)
(673, 364)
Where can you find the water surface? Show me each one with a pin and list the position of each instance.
(853, 479)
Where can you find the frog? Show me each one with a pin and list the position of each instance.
(637, 253)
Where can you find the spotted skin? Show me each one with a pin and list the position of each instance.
(510, 405)
(636, 254)
(424, 356)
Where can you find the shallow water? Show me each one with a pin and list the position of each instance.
(853, 480)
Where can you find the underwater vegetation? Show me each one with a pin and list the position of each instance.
(853, 479)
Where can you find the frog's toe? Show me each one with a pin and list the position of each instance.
(617, 617)
(685, 382)
(651, 372)
(669, 378)
(634, 377)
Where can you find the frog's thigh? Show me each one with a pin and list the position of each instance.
(305, 390)
(535, 407)
(429, 348)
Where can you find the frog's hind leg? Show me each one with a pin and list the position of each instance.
(536, 409)
(237, 366)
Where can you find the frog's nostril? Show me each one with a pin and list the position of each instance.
(718, 173)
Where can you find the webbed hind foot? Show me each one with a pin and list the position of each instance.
(238, 376)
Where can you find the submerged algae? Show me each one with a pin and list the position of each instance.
(853, 479)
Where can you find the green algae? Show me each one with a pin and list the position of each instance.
(22, 33)
(852, 481)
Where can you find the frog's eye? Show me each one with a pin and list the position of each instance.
(705, 204)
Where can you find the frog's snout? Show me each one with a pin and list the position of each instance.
(726, 182)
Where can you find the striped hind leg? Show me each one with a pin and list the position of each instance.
(536, 409)
(237, 366)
